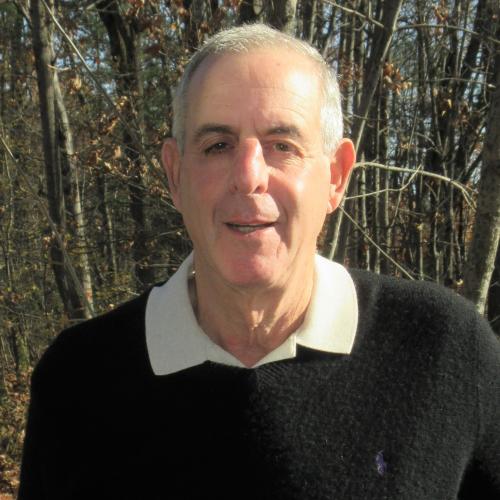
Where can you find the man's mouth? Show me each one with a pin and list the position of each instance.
(248, 228)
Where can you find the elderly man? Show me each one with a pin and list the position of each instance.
(260, 370)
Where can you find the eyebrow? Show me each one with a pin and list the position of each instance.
(290, 130)
(211, 128)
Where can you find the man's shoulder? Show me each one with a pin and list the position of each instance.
(409, 297)
(420, 327)
(101, 343)
(111, 327)
(420, 308)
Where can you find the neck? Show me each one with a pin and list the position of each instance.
(250, 323)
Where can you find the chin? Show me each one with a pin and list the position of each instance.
(250, 273)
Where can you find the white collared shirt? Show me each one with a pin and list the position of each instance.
(175, 341)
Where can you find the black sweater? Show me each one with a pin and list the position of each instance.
(412, 413)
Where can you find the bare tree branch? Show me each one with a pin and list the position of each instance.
(448, 27)
(354, 13)
(388, 190)
(385, 254)
(55, 232)
(463, 189)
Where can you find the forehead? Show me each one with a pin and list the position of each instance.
(262, 80)
(255, 63)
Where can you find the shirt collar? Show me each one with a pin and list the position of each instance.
(175, 341)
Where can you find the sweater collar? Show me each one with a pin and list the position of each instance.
(175, 341)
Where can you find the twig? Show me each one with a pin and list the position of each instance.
(458, 185)
(355, 13)
(388, 190)
(52, 225)
(385, 254)
(450, 27)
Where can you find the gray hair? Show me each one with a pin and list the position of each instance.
(259, 36)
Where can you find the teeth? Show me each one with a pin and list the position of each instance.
(247, 228)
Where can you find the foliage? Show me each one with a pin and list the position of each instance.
(12, 422)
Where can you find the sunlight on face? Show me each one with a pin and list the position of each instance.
(254, 182)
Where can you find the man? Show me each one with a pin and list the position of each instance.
(260, 370)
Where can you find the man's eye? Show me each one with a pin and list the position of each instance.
(282, 147)
(218, 147)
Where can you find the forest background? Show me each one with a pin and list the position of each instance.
(86, 221)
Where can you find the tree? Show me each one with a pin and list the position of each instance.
(124, 38)
(485, 240)
(60, 169)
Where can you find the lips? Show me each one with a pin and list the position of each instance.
(248, 228)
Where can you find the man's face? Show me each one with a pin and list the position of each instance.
(253, 183)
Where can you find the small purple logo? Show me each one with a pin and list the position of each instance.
(381, 463)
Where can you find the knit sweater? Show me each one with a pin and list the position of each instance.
(412, 413)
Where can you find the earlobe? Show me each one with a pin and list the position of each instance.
(341, 165)
(171, 161)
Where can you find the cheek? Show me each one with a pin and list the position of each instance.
(202, 198)
(198, 188)
(311, 192)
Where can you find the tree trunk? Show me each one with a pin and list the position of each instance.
(14, 329)
(484, 246)
(248, 13)
(494, 296)
(124, 39)
(373, 67)
(364, 245)
(3, 372)
(380, 46)
(69, 290)
(72, 197)
(108, 237)
(196, 14)
(308, 19)
(281, 15)
(20, 349)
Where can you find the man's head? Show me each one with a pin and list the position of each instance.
(243, 39)
(254, 180)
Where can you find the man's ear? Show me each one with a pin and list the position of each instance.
(171, 159)
(341, 164)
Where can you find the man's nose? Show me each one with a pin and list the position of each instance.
(249, 172)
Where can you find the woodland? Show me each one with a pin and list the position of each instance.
(86, 221)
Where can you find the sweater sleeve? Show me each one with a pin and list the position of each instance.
(482, 479)
(63, 387)
(52, 426)
(45, 414)
(53, 441)
(53, 430)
